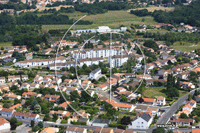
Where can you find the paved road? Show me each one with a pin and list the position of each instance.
(168, 114)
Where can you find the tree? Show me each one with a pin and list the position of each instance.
(178, 86)
(40, 124)
(159, 130)
(125, 120)
(47, 117)
(37, 108)
(32, 123)
(33, 104)
(55, 117)
(169, 131)
(123, 98)
(13, 122)
(189, 97)
(85, 97)
(6, 105)
(183, 115)
(16, 101)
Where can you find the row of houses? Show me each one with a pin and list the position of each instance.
(14, 78)
(20, 115)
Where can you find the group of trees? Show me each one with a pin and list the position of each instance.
(172, 87)
(55, 18)
(16, 6)
(170, 37)
(183, 14)
(140, 13)
(101, 7)
(151, 44)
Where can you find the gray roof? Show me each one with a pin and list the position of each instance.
(144, 116)
(82, 120)
(96, 70)
(106, 121)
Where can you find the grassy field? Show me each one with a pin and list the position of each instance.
(153, 8)
(5, 44)
(185, 46)
(151, 92)
(154, 91)
(113, 19)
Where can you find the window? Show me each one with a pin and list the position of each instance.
(142, 122)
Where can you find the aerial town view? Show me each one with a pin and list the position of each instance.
(99, 66)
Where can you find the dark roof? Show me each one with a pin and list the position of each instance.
(82, 120)
(143, 115)
(96, 70)
(102, 121)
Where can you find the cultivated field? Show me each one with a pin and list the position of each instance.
(186, 46)
(153, 8)
(113, 19)
(5, 44)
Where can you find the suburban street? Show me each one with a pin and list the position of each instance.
(168, 114)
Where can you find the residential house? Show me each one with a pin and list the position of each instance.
(64, 105)
(102, 87)
(101, 122)
(151, 101)
(27, 116)
(183, 75)
(7, 112)
(141, 108)
(160, 100)
(187, 85)
(77, 115)
(61, 114)
(24, 77)
(25, 86)
(95, 74)
(52, 98)
(141, 121)
(13, 78)
(50, 130)
(2, 80)
(121, 106)
(182, 122)
(27, 95)
(190, 105)
(4, 125)
(11, 96)
(16, 106)
(75, 130)
(154, 111)
(34, 86)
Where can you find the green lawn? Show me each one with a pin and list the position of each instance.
(5, 44)
(113, 19)
(151, 92)
(185, 46)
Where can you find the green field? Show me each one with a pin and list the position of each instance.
(5, 44)
(151, 92)
(113, 19)
(185, 46)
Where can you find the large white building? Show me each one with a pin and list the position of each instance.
(103, 29)
(4, 125)
(80, 63)
(141, 121)
(95, 53)
(95, 74)
(118, 60)
(42, 62)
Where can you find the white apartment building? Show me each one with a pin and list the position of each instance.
(42, 62)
